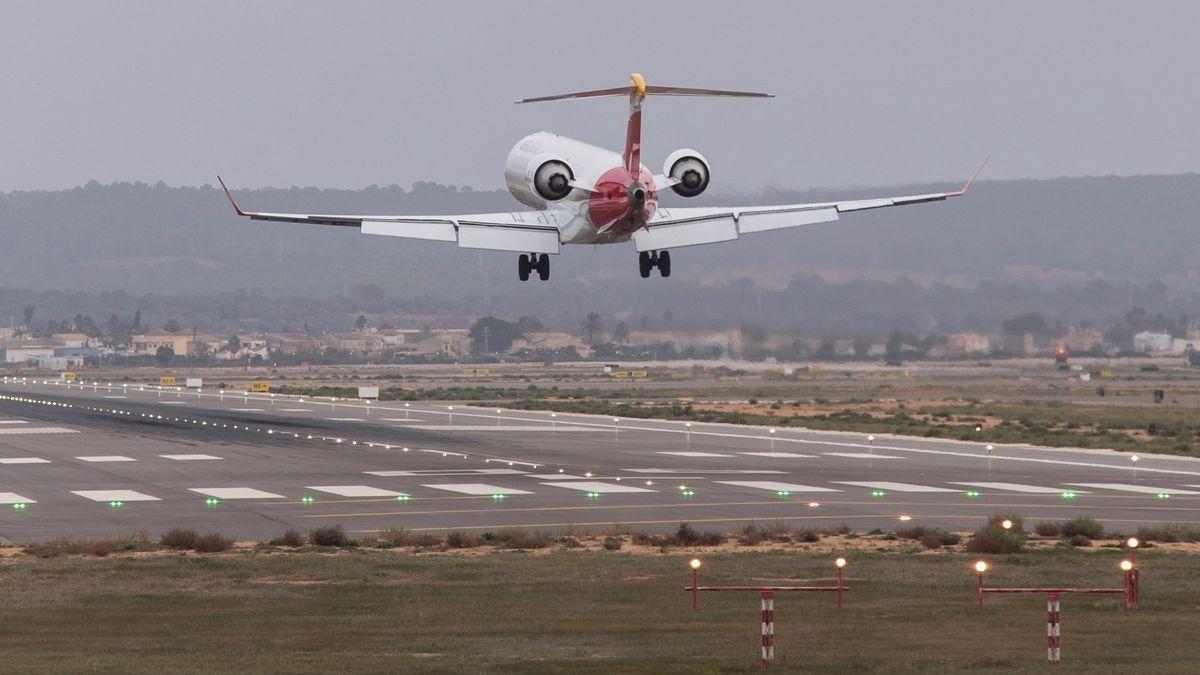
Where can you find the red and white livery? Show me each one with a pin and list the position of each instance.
(583, 194)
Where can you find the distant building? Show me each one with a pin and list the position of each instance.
(547, 341)
(27, 351)
(1152, 343)
(150, 343)
(1081, 339)
(73, 339)
(961, 344)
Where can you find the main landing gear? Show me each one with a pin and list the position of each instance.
(648, 260)
(532, 262)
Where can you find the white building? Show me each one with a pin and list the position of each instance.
(1147, 341)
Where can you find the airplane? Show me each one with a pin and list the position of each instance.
(584, 194)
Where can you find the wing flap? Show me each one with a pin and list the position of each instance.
(691, 232)
(428, 230)
(518, 239)
(774, 220)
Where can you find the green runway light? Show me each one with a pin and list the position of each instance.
(688, 493)
(972, 493)
(212, 501)
(19, 506)
(782, 493)
(593, 495)
(307, 500)
(878, 493)
(497, 496)
(402, 498)
(1164, 495)
(1068, 495)
(116, 504)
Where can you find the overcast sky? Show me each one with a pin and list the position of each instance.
(350, 94)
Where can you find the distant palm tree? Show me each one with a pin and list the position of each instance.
(592, 325)
(621, 333)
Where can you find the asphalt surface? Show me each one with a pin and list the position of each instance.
(107, 460)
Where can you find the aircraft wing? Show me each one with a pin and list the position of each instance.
(519, 231)
(674, 228)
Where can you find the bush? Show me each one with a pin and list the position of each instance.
(995, 539)
(291, 538)
(1080, 541)
(179, 538)
(1086, 526)
(750, 535)
(1048, 528)
(687, 536)
(612, 543)
(461, 539)
(398, 536)
(809, 536)
(1169, 534)
(102, 547)
(328, 535)
(517, 537)
(213, 543)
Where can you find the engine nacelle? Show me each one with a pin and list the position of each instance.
(690, 168)
(552, 180)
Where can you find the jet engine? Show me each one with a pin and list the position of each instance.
(552, 180)
(690, 168)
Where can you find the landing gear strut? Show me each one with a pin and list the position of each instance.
(648, 260)
(532, 262)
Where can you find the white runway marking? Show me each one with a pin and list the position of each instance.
(36, 430)
(236, 493)
(775, 486)
(355, 491)
(1018, 487)
(115, 496)
(171, 403)
(452, 472)
(412, 420)
(556, 476)
(13, 422)
(602, 488)
(23, 460)
(778, 455)
(694, 454)
(739, 471)
(106, 458)
(478, 489)
(294, 410)
(190, 458)
(1144, 489)
(246, 409)
(443, 453)
(345, 419)
(487, 427)
(116, 396)
(14, 498)
(895, 487)
(859, 455)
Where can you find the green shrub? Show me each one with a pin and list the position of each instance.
(328, 535)
(1048, 528)
(687, 536)
(461, 539)
(291, 538)
(1080, 541)
(995, 539)
(518, 537)
(397, 536)
(212, 543)
(612, 543)
(179, 538)
(1169, 534)
(1085, 525)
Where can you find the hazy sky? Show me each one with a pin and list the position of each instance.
(349, 94)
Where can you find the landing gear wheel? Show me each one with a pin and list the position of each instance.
(664, 263)
(523, 267)
(543, 267)
(645, 264)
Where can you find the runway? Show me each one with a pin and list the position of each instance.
(109, 459)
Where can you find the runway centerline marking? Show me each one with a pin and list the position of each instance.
(1018, 487)
(1144, 489)
(774, 486)
(895, 487)
(424, 473)
(477, 489)
(356, 491)
(859, 455)
(115, 496)
(14, 431)
(190, 458)
(690, 453)
(23, 460)
(602, 488)
(779, 455)
(235, 493)
(106, 458)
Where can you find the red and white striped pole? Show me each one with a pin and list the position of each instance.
(1053, 618)
(768, 628)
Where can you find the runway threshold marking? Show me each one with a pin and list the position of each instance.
(115, 496)
(356, 491)
(23, 460)
(1019, 487)
(30, 431)
(595, 486)
(1145, 489)
(235, 493)
(190, 458)
(14, 498)
(477, 489)
(774, 486)
(895, 487)
(779, 455)
(105, 458)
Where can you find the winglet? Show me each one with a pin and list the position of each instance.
(228, 194)
(966, 187)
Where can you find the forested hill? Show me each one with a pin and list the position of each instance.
(159, 239)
